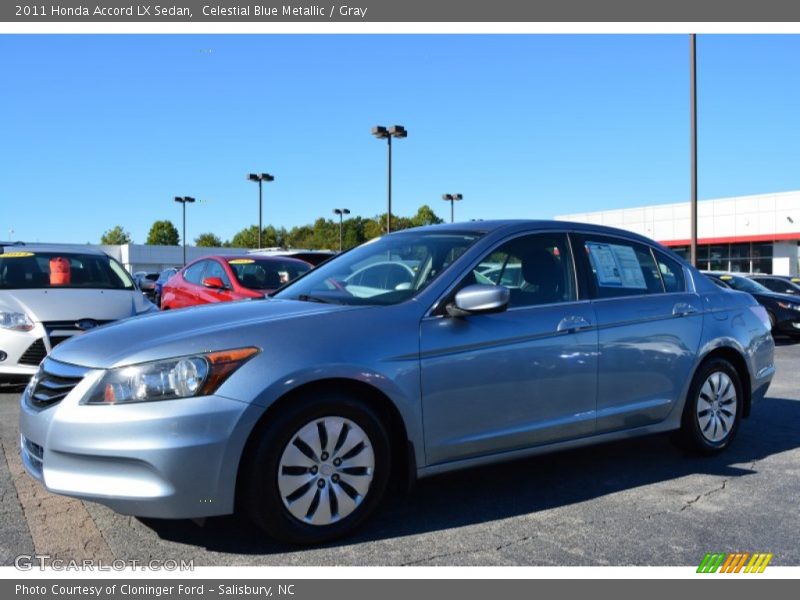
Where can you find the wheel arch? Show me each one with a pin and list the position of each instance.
(737, 360)
(403, 467)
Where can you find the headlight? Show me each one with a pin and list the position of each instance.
(15, 320)
(182, 377)
(789, 306)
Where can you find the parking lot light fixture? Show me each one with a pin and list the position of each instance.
(260, 179)
(387, 133)
(452, 199)
(341, 212)
(184, 200)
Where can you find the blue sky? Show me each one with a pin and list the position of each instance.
(98, 130)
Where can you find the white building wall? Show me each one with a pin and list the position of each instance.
(743, 216)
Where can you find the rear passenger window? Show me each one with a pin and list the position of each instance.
(671, 273)
(621, 268)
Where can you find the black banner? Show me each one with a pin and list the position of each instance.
(397, 589)
(374, 11)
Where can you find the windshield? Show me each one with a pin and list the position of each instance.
(266, 273)
(384, 271)
(744, 285)
(35, 270)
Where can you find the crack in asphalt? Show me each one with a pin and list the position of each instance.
(704, 495)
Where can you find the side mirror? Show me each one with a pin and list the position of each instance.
(479, 299)
(214, 283)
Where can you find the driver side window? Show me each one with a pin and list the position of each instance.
(537, 269)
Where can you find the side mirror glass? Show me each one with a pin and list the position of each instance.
(479, 299)
(214, 283)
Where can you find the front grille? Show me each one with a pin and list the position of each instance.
(53, 382)
(34, 354)
(67, 326)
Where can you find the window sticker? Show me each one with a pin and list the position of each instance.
(241, 261)
(16, 254)
(616, 266)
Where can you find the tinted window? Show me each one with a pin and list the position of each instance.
(266, 274)
(671, 273)
(194, 273)
(537, 269)
(22, 269)
(621, 268)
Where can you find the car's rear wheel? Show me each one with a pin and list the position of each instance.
(713, 408)
(318, 470)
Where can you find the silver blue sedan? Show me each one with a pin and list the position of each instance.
(500, 340)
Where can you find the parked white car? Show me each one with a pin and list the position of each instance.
(50, 293)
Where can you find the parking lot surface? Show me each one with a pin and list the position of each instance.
(640, 502)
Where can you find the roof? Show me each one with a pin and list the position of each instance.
(512, 225)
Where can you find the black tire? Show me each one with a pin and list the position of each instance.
(261, 496)
(772, 321)
(692, 435)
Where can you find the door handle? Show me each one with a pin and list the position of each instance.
(573, 323)
(681, 309)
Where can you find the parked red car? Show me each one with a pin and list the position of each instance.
(227, 278)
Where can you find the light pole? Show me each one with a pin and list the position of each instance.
(452, 199)
(341, 212)
(184, 200)
(693, 142)
(381, 132)
(260, 179)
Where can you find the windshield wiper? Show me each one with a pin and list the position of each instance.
(308, 298)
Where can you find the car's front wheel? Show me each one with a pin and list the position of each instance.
(318, 470)
(713, 408)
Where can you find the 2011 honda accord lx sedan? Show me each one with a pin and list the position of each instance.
(511, 339)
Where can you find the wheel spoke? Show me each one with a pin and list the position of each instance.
(341, 439)
(354, 451)
(312, 508)
(305, 449)
(300, 491)
(323, 436)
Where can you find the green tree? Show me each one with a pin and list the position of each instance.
(248, 237)
(163, 233)
(425, 216)
(207, 240)
(116, 236)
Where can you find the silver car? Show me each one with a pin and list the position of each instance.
(302, 409)
(50, 293)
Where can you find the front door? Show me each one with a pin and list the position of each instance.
(515, 379)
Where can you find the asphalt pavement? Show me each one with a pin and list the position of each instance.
(640, 502)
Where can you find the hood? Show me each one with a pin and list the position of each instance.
(184, 331)
(778, 297)
(69, 304)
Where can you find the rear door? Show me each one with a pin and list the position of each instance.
(649, 328)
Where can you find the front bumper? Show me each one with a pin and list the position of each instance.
(788, 323)
(167, 459)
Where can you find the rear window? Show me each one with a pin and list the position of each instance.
(261, 274)
(32, 270)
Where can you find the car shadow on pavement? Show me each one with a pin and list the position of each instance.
(525, 486)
